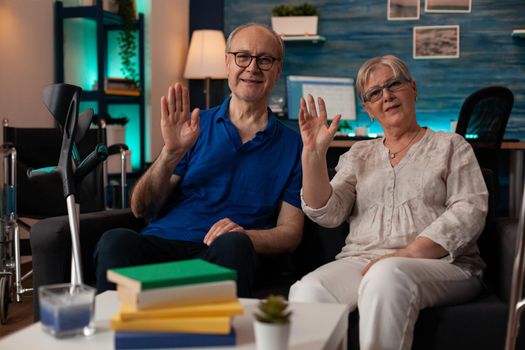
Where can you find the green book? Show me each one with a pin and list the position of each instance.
(169, 274)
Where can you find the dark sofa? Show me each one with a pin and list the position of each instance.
(479, 324)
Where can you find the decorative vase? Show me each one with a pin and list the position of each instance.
(295, 25)
(271, 336)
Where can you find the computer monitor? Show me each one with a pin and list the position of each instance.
(338, 94)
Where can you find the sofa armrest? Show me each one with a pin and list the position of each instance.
(319, 246)
(51, 243)
(51, 246)
(506, 229)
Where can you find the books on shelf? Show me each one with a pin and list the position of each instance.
(155, 340)
(169, 274)
(122, 92)
(204, 324)
(119, 86)
(202, 293)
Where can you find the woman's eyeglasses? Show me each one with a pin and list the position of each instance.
(392, 85)
(243, 60)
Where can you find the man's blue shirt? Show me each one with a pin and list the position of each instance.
(222, 177)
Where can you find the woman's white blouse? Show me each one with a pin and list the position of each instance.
(436, 191)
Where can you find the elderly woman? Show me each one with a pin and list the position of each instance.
(416, 203)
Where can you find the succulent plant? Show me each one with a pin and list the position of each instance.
(291, 10)
(273, 310)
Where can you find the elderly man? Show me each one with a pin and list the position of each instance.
(226, 183)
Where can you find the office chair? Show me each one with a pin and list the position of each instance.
(483, 116)
(482, 122)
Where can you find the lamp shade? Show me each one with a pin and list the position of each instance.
(206, 55)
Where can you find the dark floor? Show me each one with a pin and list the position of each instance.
(19, 315)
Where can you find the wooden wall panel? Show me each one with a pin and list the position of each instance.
(356, 30)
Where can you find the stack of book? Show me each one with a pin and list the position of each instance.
(187, 303)
(120, 86)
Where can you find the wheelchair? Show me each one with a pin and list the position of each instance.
(10, 261)
(52, 188)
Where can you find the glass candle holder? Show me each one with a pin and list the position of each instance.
(67, 310)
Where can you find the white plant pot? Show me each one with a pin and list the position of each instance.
(110, 5)
(361, 131)
(269, 336)
(295, 25)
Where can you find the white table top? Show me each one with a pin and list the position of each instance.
(314, 326)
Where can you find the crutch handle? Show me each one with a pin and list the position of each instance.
(98, 155)
(42, 173)
(116, 148)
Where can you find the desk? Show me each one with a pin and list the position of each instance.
(515, 171)
(314, 327)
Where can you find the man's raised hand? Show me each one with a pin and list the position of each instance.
(179, 131)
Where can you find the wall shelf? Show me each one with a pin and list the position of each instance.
(518, 33)
(91, 12)
(314, 39)
(106, 21)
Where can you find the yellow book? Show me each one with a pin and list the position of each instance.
(204, 310)
(211, 325)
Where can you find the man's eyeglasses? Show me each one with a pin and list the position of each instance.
(243, 60)
(375, 93)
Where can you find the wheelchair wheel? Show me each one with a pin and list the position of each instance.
(4, 299)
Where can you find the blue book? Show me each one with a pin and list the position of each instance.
(156, 340)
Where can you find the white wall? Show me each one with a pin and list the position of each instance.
(169, 35)
(27, 60)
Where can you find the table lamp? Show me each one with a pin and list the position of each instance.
(206, 58)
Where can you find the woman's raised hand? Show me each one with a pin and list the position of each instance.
(315, 132)
(179, 132)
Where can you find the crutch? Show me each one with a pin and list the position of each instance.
(62, 101)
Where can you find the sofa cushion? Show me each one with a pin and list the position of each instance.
(479, 324)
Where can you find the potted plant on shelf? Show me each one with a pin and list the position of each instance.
(272, 324)
(295, 20)
(126, 39)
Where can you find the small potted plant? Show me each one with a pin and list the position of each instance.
(295, 20)
(272, 324)
(126, 39)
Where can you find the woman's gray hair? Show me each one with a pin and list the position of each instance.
(399, 68)
(277, 37)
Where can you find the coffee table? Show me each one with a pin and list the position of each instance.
(314, 326)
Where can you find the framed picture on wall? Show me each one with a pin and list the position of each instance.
(448, 5)
(436, 42)
(403, 10)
